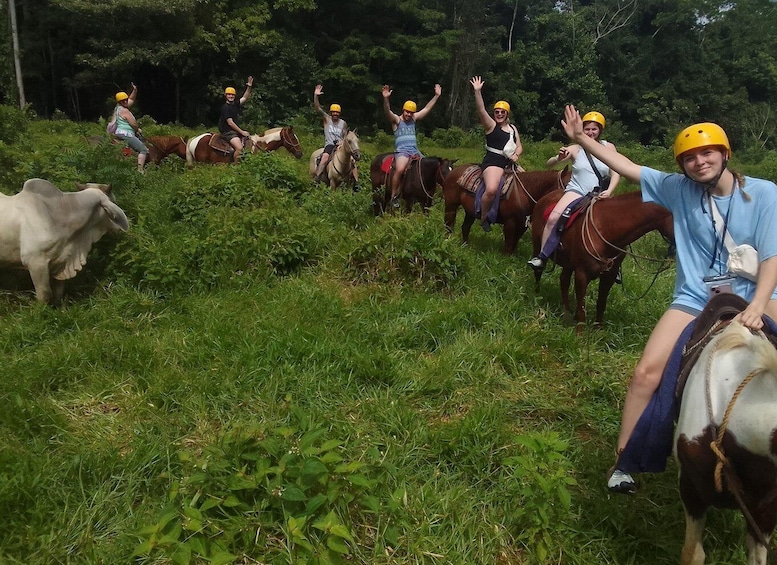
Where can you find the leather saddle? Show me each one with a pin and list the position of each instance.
(218, 143)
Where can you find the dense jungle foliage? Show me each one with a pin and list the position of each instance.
(260, 371)
(651, 66)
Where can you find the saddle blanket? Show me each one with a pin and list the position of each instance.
(472, 178)
(651, 441)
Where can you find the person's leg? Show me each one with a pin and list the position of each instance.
(322, 163)
(142, 162)
(400, 164)
(546, 250)
(647, 377)
(491, 178)
(237, 145)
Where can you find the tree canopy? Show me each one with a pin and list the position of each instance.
(651, 66)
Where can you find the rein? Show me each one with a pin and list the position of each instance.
(723, 465)
(421, 177)
(588, 241)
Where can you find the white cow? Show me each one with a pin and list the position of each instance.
(49, 232)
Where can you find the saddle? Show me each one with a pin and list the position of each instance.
(717, 314)
(570, 214)
(218, 143)
(472, 177)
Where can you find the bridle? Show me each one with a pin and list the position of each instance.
(290, 140)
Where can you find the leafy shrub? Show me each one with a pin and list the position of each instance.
(274, 173)
(13, 124)
(279, 495)
(454, 137)
(400, 252)
(540, 479)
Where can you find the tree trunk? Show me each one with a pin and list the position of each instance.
(16, 59)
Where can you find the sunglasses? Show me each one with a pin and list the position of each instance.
(500, 111)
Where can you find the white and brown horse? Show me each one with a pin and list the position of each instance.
(342, 162)
(726, 439)
(201, 149)
(275, 138)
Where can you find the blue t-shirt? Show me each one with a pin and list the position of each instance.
(752, 221)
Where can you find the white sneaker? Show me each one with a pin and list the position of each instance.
(536, 263)
(621, 482)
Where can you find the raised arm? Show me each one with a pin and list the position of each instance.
(392, 117)
(421, 114)
(618, 163)
(316, 93)
(564, 154)
(247, 93)
(485, 119)
(132, 95)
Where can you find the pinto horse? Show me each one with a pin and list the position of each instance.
(513, 210)
(342, 163)
(160, 146)
(275, 138)
(199, 149)
(726, 439)
(418, 185)
(593, 246)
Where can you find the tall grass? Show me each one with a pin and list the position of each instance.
(259, 371)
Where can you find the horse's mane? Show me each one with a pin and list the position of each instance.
(737, 335)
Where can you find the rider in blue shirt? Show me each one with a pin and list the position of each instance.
(405, 144)
(749, 205)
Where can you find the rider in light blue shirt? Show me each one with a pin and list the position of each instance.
(748, 211)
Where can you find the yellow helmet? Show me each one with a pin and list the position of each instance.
(595, 117)
(700, 135)
(230, 90)
(409, 106)
(121, 96)
(335, 108)
(502, 105)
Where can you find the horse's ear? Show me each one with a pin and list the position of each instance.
(453, 161)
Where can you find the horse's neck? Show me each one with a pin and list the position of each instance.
(625, 218)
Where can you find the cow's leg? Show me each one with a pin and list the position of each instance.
(756, 552)
(39, 273)
(57, 290)
(693, 552)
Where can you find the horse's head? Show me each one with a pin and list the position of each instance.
(444, 169)
(352, 143)
(291, 142)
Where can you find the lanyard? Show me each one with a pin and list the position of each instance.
(722, 231)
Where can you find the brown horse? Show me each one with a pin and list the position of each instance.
(275, 138)
(199, 149)
(594, 245)
(418, 185)
(160, 146)
(513, 210)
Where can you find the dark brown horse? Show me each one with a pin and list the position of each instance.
(594, 245)
(276, 138)
(418, 185)
(198, 149)
(513, 210)
(160, 146)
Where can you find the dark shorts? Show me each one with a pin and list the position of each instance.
(329, 149)
(231, 134)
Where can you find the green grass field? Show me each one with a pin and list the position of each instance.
(259, 371)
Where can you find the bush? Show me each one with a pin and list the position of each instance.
(402, 253)
(13, 124)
